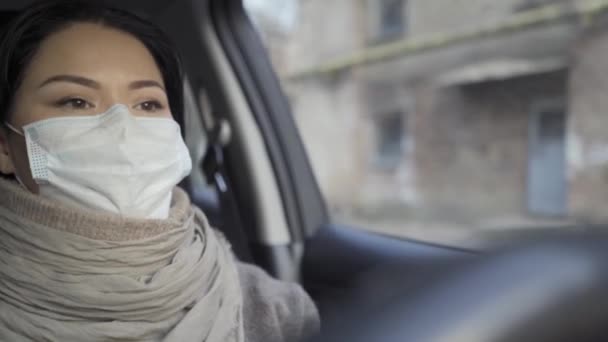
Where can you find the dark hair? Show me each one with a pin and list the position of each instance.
(24, 34)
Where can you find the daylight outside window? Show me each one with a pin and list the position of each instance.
(448, 120)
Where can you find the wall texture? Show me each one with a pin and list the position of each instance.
(467, 148)
(588, 152)
(472, 144)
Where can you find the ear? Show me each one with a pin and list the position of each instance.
(6, 163)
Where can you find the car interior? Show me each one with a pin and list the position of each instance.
(253, 179)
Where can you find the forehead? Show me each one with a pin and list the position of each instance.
(93, 50)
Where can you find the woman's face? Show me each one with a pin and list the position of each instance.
(81, 70)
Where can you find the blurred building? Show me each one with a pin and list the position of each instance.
(453, 108)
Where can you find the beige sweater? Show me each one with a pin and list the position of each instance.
(272, 310)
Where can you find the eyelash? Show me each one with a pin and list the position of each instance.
(76, 103)
(71, 102)
(156, 106)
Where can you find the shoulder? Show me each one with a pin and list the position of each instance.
(274, 310)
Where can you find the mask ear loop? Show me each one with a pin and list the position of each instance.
(12, 128)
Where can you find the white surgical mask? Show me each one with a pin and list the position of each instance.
(113, 161)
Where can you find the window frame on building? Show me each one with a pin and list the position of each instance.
(379, 30)
(383, 158)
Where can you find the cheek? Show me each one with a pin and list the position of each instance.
(28, 109)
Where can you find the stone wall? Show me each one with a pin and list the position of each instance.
(472, 144)
(588, 145)
(468, 154)
(431, 17)
(324, 30)
(328, 113)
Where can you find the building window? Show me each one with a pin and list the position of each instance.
(391, 18)
(390, 140)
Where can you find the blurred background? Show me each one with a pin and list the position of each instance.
(448, 120)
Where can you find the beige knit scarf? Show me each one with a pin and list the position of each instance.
(68, 274)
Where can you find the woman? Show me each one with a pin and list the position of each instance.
(96, 241)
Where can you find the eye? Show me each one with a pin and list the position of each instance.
(74, 103)
(150, 106)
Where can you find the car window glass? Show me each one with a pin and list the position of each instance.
(445, 120)
(195, 138)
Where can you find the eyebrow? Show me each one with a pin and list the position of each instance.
(145, 84)
(87, 82)
(83, 81)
